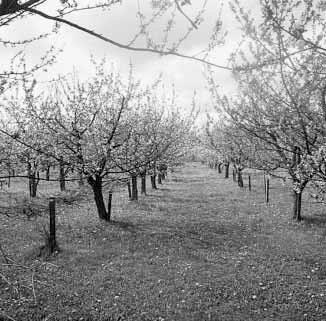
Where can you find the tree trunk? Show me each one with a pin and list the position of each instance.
(129, 190)
(134, 189)
(240, 179)
(159, 178)
(153, 181)
(81, 163)
(297, 195)
(33, 185)
(32, 180)
(109, 206)
(62, 176)
(80, 180)
(9, 176)
(234, 175)
(143, 184)
(96, 185)
(219, 168)
(227, 166)
(47, 173)
(297, 201)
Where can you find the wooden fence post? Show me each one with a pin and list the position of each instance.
(52, 235)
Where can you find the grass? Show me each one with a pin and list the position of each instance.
(199, 248)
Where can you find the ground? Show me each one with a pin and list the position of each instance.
(199, 248)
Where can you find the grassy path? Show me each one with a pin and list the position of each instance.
(199, 248)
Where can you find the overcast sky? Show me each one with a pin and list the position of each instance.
(120, 24)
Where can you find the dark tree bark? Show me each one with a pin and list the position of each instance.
(240, 179)
(227, 167)
(47, 173)
(129, 190)
(109, 206)
(297, 202)
(143, 183)
(62, 175)
(80, 180)
(134, 188)
(153, 181)
(96, 185)
(234, 175)
(33, 180)
(297, 194)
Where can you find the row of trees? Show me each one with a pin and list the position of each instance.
(105, 130)
(277, 119)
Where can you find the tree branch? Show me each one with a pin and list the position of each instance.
(118, 44)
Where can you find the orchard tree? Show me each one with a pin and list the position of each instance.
(281, 111)
(28, 138)
(282, 85)
(88, 121)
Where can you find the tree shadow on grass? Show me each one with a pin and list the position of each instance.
(163, 189)
(319, 220)
(127, 226)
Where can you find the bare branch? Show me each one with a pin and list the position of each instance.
(120, 45)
